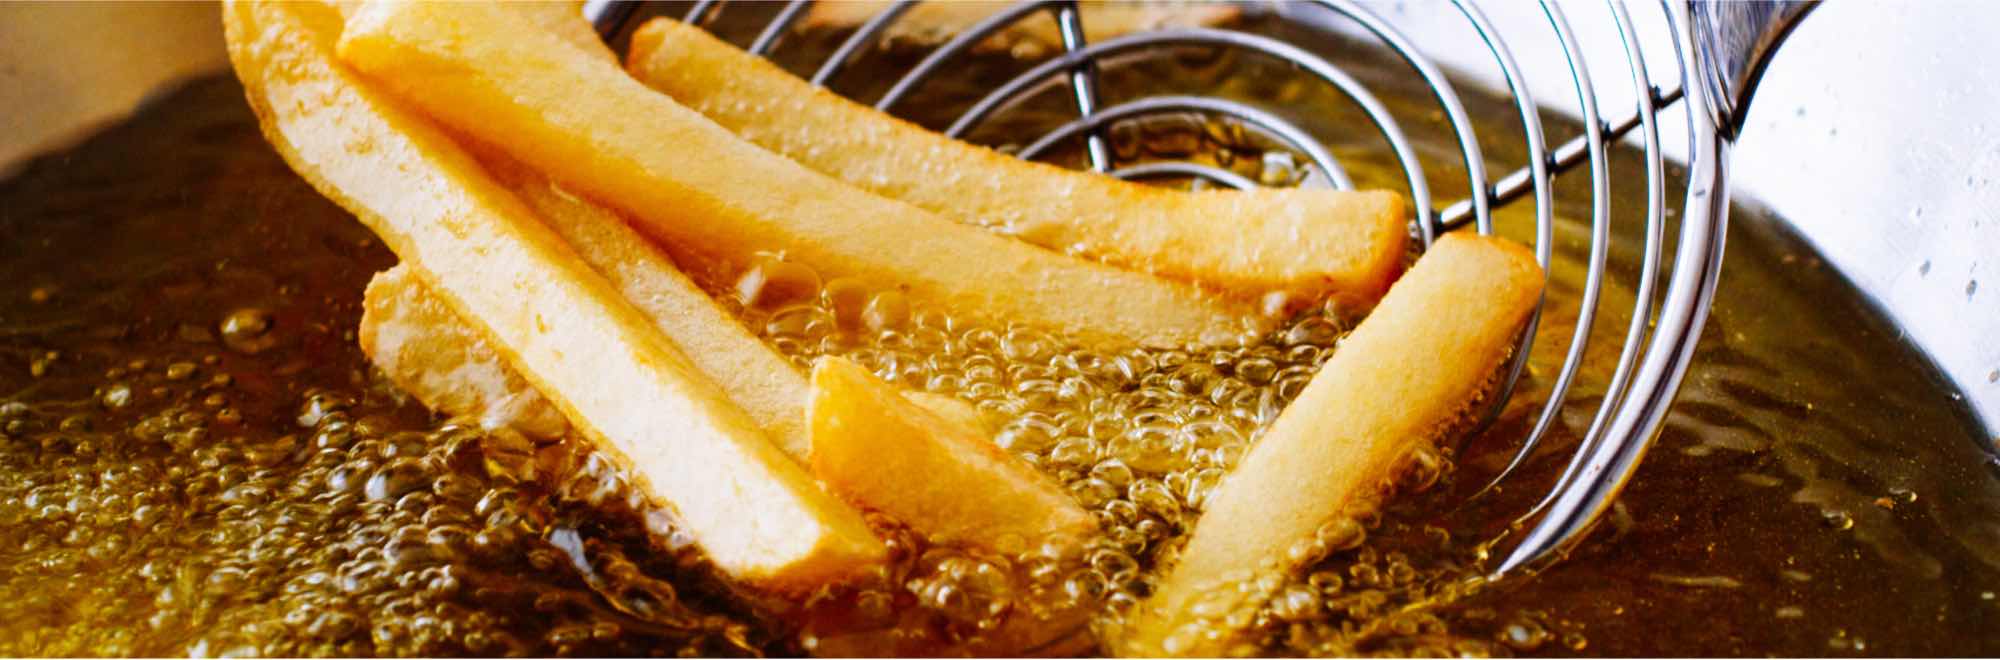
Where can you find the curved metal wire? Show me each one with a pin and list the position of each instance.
(1604, 464)
(1635, 331)
(780, 25)
(1172, 168)
(1600, 240)
(1285, 131)
(862, 36)
(1318, 67)
(1531, 127)
(1659, 339)
(1447, 98)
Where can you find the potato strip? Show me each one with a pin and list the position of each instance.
(1407, 374)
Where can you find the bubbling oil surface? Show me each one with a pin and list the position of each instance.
(196, 459)
(1139, 436)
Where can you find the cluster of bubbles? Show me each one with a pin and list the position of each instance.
(1139, 436)
(150, 519)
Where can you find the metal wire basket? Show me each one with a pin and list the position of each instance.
(1718, 50)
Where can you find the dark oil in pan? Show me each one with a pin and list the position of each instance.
(196, 458)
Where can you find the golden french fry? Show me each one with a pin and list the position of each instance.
(425, 349)
(695, 186)
(1306, 241)
(878, 450)
(622, 383)
(1405, 376)
(930, 23)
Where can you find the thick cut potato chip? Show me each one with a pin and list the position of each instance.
(1405, 376)
(692, 184)
(1308, 242)
(624, 385)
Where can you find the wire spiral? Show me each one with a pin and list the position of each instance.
(1657, 342)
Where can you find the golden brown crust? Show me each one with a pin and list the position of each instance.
(565, 328)
(1407, 371)
(690, 183)
(1306, 241)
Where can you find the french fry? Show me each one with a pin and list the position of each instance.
(879, 450)
(931, 23)
(693, 185)
(1306, 241)
(624, 386)
(424, 348)
(1405, 376)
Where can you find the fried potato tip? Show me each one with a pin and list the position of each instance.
(1406, 375)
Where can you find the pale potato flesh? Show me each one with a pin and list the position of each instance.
(690, 183)
(423, 347)
(1406, 374)
(1309, 242)
(566, 329)
(878, 450)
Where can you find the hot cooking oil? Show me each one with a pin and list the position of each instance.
(195, 457)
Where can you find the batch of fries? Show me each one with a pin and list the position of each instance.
(540, 197)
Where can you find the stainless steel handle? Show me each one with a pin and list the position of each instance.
(1733, 41)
